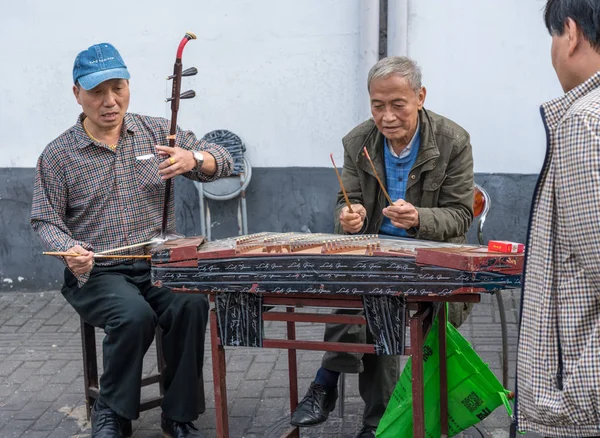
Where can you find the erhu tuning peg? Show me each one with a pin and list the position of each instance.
(188, 94)
(187, 72)
(185, 95)
(190, 71)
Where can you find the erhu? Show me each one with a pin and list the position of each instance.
(176, 96)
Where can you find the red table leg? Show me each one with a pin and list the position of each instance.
(416, 346)
(219, 376)
(293, 372)
(443, 372)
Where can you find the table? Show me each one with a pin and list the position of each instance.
(397, 283)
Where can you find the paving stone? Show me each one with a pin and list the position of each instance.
(32, 411)
(5, 417)
(68, 402)
(51, 392)
(234, 380)
(76, 387)
(66, 374)
(278, 379)
(8, 328)
(239, 426)
(277, 392)
(7, 367)
(37, 305)
(16, 401)
(48, 329)
(32, 364)
(250, 389)
(21, 374)
(49, 420)
(69, 428)
(236, 364)
(51, 367)
(259, 371)
(7, 389)
(242, 408)
(48, 312)
(19, 319)
(6, 350)
(32, 326)
(266, 357)
(36, 434)
(5, 301)
(15, 428)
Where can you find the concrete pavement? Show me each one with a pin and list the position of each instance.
(41, 376)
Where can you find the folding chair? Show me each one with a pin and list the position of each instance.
(481, 207)
(226, 188)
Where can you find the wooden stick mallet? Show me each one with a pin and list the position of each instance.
(96, 256)
(154, 241)
(377, 176)
(341, 185)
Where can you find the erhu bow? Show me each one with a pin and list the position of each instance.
(176, 95)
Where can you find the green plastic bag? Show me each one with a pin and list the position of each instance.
(474, 392)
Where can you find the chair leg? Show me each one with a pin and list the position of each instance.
(502, 312)
(160, 360)
(342, 394)
(90, 363)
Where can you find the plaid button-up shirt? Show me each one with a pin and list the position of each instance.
(85, 193)
(558, 359)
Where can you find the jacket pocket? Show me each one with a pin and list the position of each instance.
(581, 392)
(148, 178)
(431, 190)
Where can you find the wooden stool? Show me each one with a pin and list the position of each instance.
(90, 375)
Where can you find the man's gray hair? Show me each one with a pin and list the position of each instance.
(396, 65)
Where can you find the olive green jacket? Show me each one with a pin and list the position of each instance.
(440, 184)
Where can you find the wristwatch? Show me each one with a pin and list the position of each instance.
(199, 159)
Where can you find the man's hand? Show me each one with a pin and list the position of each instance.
(178, 161)
(82, 263)
(353, 222)
(402, 214)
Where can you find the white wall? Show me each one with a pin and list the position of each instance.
(282, 74)
(486, 65)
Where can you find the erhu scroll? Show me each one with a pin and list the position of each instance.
(176, 96)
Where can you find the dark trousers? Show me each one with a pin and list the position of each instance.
(122, 301)
(377, 375)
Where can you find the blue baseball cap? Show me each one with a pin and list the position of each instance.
(97, 64)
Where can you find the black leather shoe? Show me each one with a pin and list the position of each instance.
(107, 424)
(315, 406)
(173, 429)
(367, 432)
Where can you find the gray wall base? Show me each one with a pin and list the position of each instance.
(278, 199)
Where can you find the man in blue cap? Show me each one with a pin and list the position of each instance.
(101, 185)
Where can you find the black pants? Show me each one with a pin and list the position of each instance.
(122, 301)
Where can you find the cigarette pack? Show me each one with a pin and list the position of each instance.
(505, 246)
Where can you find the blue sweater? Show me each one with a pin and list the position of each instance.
(397, 171)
